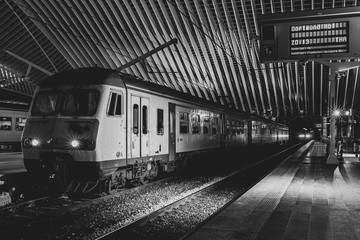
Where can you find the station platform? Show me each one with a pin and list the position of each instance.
(303, 198)
(11, 162)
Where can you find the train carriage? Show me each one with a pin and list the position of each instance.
(12, 122)
(101, 125)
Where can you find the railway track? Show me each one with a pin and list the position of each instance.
(167, 222)
(39, 208)
(140, 212)
(49, 207)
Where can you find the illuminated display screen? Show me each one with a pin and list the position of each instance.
(322, 38)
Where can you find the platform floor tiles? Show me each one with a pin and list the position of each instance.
(304, 198)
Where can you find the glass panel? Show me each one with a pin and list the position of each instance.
(184, 122)
(112, 104)
(205, 129)
(195, 129)
(5, 123)
(20, 124)
(80, 103)
(118, 105)
(145, 121)
(45, 103)
(171, 122)
(214, 126)
(136, 119)
(160, 122)
(184, 127)
(206, 125)
(195, 124)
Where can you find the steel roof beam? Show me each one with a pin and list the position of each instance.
(33, 37)
(96, 31)
(62, 24)
(213, 44)
(355, 86)
(225, 53)
(321, 87)
(145, 43)
(197, 57)
(126, 49)
(156, 36)
(289, 78)
(272, 72)
(135, 38)
(180, 47)
(243, 51)
(200, 30)
(172, 58)
(234, 49)
(305, 100)
(211, 54)
(53, 25)
(42, 25)
(281, 71)
(29, 63)
(79, 23)
(252, 56)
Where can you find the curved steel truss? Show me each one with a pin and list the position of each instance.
(216, 57)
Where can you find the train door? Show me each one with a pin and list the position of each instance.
(144, 120)
(222, 131)
(135, 127)
(140, 127)
(171, 132)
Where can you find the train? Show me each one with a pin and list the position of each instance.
(12, 122)
(109, 128)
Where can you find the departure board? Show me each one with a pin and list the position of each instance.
(319, 38)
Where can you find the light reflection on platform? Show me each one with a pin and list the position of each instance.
(11, 163)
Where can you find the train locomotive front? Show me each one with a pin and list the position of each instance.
(69, 128)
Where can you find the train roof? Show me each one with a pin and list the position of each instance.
(97, 75)
(83, 76)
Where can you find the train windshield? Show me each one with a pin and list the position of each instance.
(46, 103)
(80, 103)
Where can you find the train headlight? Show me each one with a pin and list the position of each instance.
(31, 142)
(75, 143)
(35, 142)
(27, 142)
(82, 144)
(301, 135)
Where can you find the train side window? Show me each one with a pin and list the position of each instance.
(19, 124)
(160, 122)
(206, 125)
(5, 123)
(115, 106)
(195, 124)
(136, 119)
(242, 127)
(145, 119)
(171, 122)
(118, 109)
(263, 129)
(228, 127)
(233, 127)
(214, 126)
(184, 122)
(237, 128)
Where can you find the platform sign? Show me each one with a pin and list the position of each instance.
(319, 38)
(325, 34)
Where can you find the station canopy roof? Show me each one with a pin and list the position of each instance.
(216, 56)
